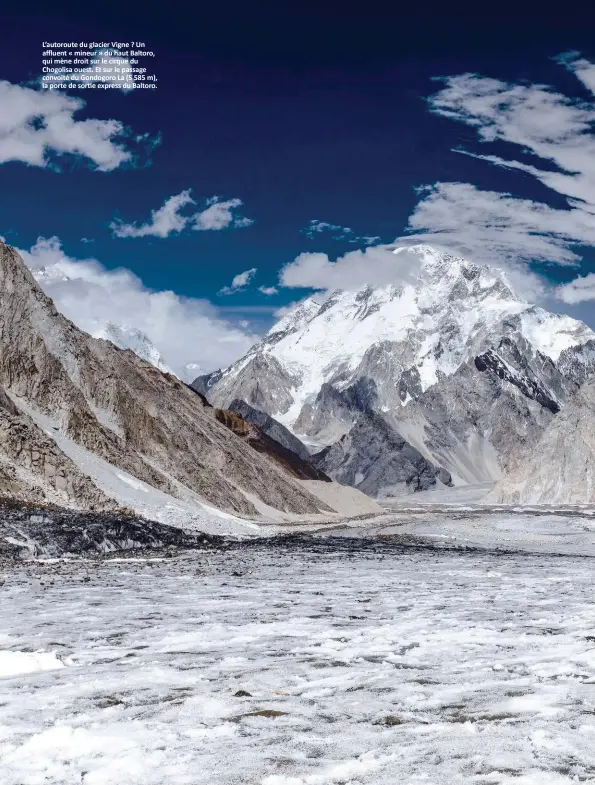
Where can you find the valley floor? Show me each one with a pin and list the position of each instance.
(302, 661)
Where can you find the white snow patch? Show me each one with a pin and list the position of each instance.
(15, 663)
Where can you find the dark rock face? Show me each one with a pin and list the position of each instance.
(270, 427)
(202, 384)
(578, 362)
(28, 531)
(529, 387)
(286, 459)
(409, 385)
(375, 459)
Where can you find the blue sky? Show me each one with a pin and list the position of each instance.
(301, 116)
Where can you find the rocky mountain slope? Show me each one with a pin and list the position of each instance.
(454, 361)
(560, 468)
(33, 468)
(375, 459)
(63, 393)
(290, 461)
(269, 426)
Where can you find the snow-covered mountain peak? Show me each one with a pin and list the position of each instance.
(443, 274)
(126, 337)
(441, 312)
(295, 318)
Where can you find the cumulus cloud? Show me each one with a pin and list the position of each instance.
(316, 228)
(268, 290)
(580, 290)
(38, 125)
(169, 219)
(164, 221)
(220, 215)
(375, 266)
(239, 282)
(553, 134)
(188, 332)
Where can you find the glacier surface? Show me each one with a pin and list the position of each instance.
(360, 664)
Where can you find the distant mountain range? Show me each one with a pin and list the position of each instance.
(450, 377)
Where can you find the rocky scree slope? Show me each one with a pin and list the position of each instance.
(456, 363)
(118, 407)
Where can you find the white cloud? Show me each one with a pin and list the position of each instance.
(239, 282)
(219, 215)
(168, 218)
(36, 125)
(555, 136)
(338, 232)
(243, 279)
(376, 266)
(268, 290)
(319, 227)
(187, 331)
(578, 291)
(164, 221)
(494, 227)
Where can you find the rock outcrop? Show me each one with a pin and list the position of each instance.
(269, 426)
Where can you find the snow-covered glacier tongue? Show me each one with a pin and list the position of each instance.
(457, 363)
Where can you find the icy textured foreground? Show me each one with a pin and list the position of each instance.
(373, 666)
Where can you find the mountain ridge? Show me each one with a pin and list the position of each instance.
(107, 406)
